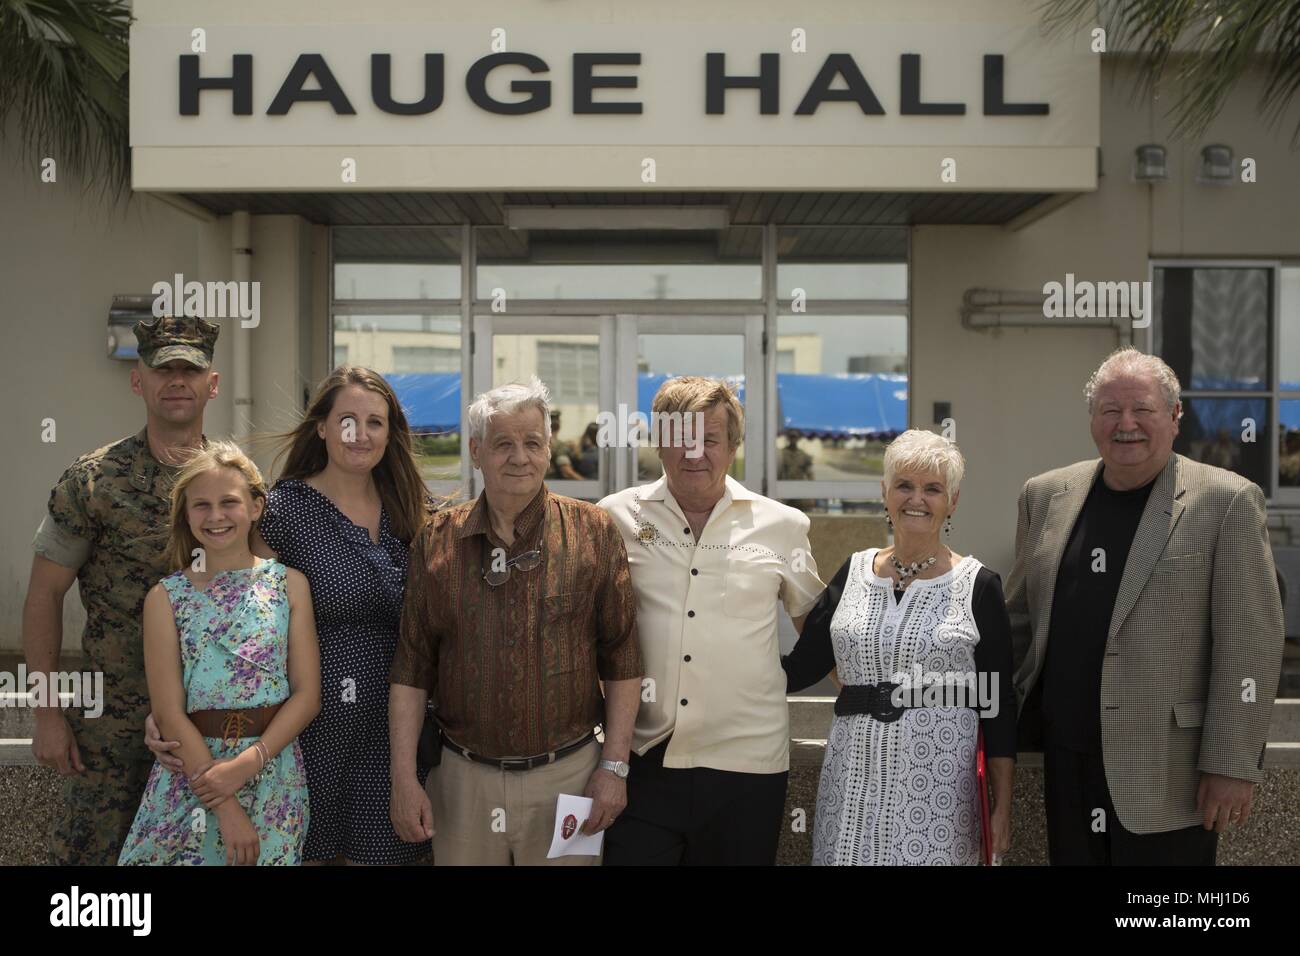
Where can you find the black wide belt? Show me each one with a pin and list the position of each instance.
(518, 763)
(871, 699)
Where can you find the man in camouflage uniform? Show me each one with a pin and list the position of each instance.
(107, 527)
(795, 465)
(561, 465)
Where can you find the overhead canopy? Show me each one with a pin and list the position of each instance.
(890, 97)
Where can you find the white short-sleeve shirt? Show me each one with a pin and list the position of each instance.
(707, 619)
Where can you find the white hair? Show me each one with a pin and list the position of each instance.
(926, 453)
(509, 399)
(1130, 361)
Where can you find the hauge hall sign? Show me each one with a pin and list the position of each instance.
(839, 79)
(717, 105)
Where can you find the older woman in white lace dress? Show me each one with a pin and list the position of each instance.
(920, 639)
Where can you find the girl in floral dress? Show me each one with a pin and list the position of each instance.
(234, 674)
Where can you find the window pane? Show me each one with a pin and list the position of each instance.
(1214, 326)
(611, 264)
(420, 357)
(840, 396)
(845, 262)
(1289, 331)
(569, 367)
(392, 263)
(1288, 464)
(425, 358)
(1229, 433)
(661, 357)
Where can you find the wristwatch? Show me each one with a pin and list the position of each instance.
(618, 768)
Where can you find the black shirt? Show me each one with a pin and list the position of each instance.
(1087, 583)
(813, 656)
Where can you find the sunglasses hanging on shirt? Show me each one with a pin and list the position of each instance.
(527, 561)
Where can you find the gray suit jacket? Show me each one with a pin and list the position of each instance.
(1195, 641)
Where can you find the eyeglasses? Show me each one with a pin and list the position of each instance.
(524, 562)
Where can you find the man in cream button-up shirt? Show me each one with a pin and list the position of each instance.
(711, 561)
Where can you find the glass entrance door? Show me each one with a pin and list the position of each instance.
(603, 369)
(654, 348)
(574, 357)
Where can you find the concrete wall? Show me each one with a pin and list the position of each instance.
(283, 376)
(63, 258)
(1017, 393)
(63, 255)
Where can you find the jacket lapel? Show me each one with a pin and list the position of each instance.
(1161, 514)
(1062, 513)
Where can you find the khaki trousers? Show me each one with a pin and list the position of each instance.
(483, 816)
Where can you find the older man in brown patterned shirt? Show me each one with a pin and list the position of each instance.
(518, 605)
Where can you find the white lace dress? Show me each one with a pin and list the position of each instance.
(901, 793)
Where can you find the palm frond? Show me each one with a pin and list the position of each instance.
(1203, 48)
(63, 75)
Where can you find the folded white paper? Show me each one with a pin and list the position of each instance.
(569, 840)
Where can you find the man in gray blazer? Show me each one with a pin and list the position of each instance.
(1145, 603)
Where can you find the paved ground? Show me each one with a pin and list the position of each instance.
(28, 796)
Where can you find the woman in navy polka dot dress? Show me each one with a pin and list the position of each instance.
(346, 507)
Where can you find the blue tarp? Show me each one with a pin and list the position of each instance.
(819, 406)
(431, 400)
(842, 406)
(824, 406)
(647, 384)
(1288, 410)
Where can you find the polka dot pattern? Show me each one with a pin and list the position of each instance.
(356, 591)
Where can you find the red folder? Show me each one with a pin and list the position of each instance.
(982, 784)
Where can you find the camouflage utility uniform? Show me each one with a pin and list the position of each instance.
(108, 518)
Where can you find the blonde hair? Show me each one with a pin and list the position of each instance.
(925, 452)
(214, 456)
(694, 393)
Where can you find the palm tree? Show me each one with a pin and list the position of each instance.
(1203, 46)
(63, 66)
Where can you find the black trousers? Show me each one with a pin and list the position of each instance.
(696, 817)
(1078, 803)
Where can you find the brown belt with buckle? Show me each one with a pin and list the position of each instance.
(519, 763)
(229, 725)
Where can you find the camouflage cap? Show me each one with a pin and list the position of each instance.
(168, 338)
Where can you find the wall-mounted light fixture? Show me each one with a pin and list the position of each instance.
(122, 317)
(1216, 165)
(1149, 164)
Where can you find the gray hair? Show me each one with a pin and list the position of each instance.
(927, 453)
(1130, 361)
(509, 399)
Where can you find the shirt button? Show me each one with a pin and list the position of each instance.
(683, 701)
(687, 658)
(686, 531)
(695, 570)
(690, 613)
